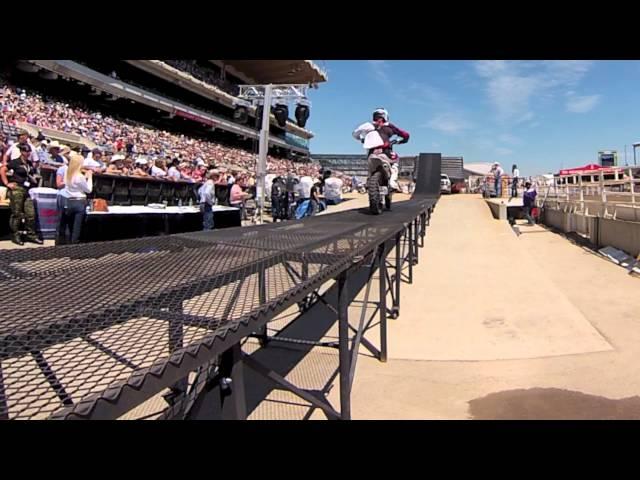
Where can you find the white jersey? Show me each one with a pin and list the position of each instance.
(333, 188)
(304, 187)
(367, 132)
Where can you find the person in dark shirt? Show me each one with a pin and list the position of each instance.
(20, 181)
(529, 201)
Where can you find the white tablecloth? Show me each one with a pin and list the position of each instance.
(138, 209)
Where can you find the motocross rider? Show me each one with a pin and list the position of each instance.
(381, 145)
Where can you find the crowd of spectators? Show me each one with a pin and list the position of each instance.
(130, 148)
(128, 138)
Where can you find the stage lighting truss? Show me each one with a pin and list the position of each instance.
(288, 93)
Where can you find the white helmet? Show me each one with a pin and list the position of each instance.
(380, 112)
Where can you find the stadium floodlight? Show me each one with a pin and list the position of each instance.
(281, 112)
(302, 113)
(263, 94)
(241, 114)
(259, 113)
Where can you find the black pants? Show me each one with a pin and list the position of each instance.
(514, 188)
(72, 213)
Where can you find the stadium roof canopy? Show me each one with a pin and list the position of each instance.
(279, 71)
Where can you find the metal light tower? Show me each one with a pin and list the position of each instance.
(265, 95)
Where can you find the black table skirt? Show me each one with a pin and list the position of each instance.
(98, 228)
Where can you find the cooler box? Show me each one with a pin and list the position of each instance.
(45, 202)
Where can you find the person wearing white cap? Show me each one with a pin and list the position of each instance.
(55, 150)
(140, 169)
(115, 166)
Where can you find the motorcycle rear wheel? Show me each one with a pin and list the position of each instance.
(373, 189)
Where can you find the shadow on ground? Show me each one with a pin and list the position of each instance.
(552, 404)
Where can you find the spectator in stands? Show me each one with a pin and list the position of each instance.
(174, 172)
(529, 201)
(158, 169)
(72, 201)
(140, 168)
(19, 181)
(3, 146)
(43, 152)
(333, 190)
(94, 161)
(199, 173)
(127, 165)
(207, 196)
(116, 166)
(185, 172)
(55, 155)
(65, 152)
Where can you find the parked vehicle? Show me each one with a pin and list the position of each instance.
(445, 183)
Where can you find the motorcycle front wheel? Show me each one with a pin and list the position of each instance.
(373, 189)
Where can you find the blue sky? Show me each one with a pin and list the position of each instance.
(541, 115)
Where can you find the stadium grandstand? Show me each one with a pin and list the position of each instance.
(192, 99)
(355, 165)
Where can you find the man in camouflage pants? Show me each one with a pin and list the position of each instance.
(20, 181)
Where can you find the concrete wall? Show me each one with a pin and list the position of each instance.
(601, 232)
(620, 234)
(498, 209)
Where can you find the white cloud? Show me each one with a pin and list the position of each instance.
(380, 70)
(510, 139)
(511, 86)
(582, 104)
(448, 123)
(503, 151)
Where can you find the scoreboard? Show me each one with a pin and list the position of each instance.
(608, 158)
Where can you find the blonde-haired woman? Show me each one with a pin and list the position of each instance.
(72, 200)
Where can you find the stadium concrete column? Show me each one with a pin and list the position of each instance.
(263, 149)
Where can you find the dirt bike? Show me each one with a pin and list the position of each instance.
(378, 182)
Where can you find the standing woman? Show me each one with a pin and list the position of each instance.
(515, 173)
(72, 201)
